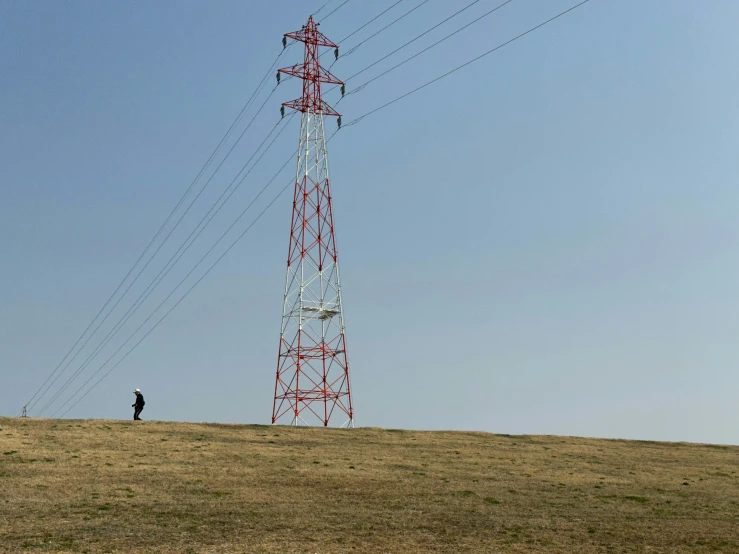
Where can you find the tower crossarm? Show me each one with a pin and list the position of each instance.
(313, 106)
(309, 34)
(305, 72)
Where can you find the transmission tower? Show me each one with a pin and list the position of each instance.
(312, 382)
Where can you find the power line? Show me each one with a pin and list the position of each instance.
(168, 311)
(174, 259)
(166, 238)
(321, 8)
(371, 21)
(182, 281)
(356, 46)
(427, 31)
(226, 232)
(131, 310)
(336, 9)
(410, 41)
(354, 122)
(34, 400)
(450, 35)
(360, 118)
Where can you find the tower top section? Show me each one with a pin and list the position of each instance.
(310, 71)
(309, 34)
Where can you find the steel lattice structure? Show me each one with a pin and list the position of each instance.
(312, 382)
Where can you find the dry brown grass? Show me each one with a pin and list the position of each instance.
(115, 486)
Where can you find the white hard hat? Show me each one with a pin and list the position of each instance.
(137, 390)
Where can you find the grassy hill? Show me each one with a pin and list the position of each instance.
(124, 486)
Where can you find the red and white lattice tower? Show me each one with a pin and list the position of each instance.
(312, 383)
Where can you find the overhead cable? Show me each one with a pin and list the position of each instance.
(414, 39)
(321, 8)
(356, 46)
(35, 398)
(383, 12)
(332, 12)
(447, 37)
(161, 244)
(174, 259)
(354, 122)
(107, 339)
(357, 120)
(226, 232)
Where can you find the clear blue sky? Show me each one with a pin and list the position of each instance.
(545, 242)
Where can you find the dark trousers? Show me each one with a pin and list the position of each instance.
(137, 411)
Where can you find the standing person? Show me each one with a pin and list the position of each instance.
(138, 405)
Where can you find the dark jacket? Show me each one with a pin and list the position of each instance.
(140, 401)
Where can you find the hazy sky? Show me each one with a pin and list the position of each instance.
(545, 242)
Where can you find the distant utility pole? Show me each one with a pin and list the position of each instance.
(312, 382)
